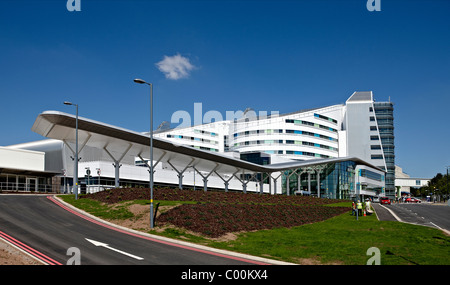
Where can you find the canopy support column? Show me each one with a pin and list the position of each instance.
(261, 182)
(226, 181)
(158, 161)
(244, 184)
(205, 178)
(117, 164)
(300, 181)
(180, 173)
(287, 181)
(275, 183)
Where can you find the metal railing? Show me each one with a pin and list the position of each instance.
(25, 187)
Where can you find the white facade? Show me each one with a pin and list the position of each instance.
(337, 131)
(343, 130)
(404, 182)
(21, 159)
(164, 174)
(24, 170)
(299, 136)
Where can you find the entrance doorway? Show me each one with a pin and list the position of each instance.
(31, 184)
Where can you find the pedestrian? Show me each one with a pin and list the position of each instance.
(368, 208)
(353, 208)
(359, 207)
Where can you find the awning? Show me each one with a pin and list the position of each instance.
(119, 141)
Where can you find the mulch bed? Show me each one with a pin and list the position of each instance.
(173, 194)
(219, 213)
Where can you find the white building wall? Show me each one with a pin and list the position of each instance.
(22, 159)
(166, 175)
(367, 185)
(298, 136)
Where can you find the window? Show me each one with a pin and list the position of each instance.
(372, 119)
(376, 156)
(325, 118)
(370, 174)
(375, 147)
(373, 128)
(300, 122)
(374, 138)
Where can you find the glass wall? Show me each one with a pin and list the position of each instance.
(384, 112)
(25, 183)
(336, 180)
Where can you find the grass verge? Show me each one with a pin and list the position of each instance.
(339, 240)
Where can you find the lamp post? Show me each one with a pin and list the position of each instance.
(140, 81)
(448, 190)
(75, 175)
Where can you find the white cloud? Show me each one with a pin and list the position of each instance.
(175, 67)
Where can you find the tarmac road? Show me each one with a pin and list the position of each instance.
(426, 214)
(56, 233)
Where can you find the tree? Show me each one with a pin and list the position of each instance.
(438, 185)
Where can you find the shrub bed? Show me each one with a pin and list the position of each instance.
(218, 213)
(215, 220)
(172, 194)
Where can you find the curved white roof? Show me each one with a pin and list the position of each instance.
(61, 126)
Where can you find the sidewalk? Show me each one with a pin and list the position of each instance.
(382, 213)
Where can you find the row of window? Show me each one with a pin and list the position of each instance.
(383, 140)
(192, 139)
(371, 175)
(280, 131)
(376, 156)
(385, 148)
(301, 122)
(205, 148)
(310, 134)
(307, 153)
(325, 118)
(206, 133)
(304, 143)
(256, 132)
(384, 129)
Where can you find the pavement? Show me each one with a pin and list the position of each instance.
(383, 213)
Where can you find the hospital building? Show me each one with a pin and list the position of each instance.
(339, 151)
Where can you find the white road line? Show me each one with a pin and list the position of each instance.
(97, 243)
(393, 214)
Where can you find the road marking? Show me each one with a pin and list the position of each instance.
(97, 243)
(436, 225)
(392, 213)
(163, 240)
(27, 249)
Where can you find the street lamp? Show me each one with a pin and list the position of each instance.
(448, 190)
(140, 81)
(75, 175)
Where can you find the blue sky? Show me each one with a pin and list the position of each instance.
(268, 55)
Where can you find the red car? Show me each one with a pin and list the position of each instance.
(412, 200)
(385, 200)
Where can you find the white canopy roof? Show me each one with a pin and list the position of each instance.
(119, 141)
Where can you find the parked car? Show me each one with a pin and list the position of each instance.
(385, 200)
(412, 200)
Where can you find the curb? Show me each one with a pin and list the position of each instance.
(173, 241)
